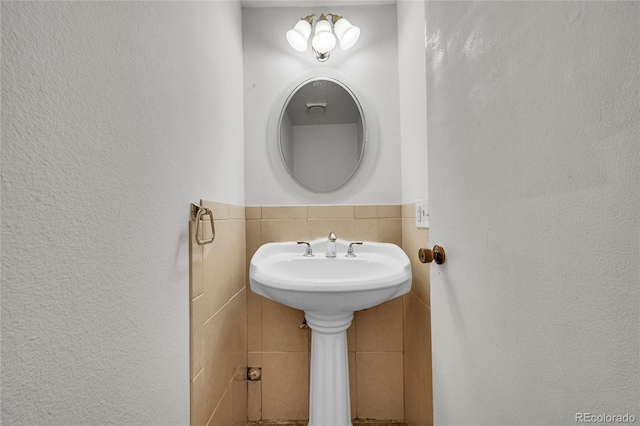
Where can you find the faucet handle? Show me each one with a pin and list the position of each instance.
(332, 237)
(350, 252)
(308, 252)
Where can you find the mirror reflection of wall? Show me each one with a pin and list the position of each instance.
(322, 134)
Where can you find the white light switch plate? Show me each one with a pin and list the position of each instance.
(422, 213)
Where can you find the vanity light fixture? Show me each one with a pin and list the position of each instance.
(326, 32)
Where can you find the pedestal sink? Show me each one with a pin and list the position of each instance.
(329, 290)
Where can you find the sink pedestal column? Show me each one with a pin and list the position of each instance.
(329, 403)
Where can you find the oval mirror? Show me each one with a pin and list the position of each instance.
(322, 134)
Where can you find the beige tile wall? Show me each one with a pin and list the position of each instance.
(281, 348)
(218, 296)
(417, 327)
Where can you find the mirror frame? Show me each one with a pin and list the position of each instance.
(364, 132)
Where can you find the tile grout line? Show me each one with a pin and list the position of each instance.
(225, 305)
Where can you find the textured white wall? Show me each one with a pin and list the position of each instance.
(413, 101)
(272, 69)
(115, 116)
(534, 161)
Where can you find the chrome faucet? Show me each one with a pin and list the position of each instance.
(308, 252)
(350, 252)
(331, 245)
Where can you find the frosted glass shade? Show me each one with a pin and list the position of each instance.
(298, 35)
(347, 33)
(324, 40)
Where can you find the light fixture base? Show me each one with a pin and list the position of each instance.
(322, 57)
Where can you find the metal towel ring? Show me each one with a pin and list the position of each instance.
(201, 211)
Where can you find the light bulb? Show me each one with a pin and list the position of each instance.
(324, 40)
(299, 34)
(347, 33)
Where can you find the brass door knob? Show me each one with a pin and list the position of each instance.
(430, 255)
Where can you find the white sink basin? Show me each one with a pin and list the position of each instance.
(329, 290)
(379, 272)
